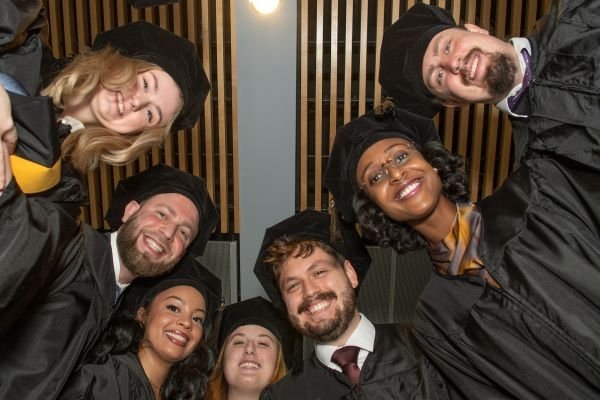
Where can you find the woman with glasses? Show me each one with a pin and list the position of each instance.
(511, 309)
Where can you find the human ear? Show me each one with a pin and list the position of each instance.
(351, 274)
(140, 315)
(130, 209)
(476, 29)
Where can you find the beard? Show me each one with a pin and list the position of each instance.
(134, 260)
(500, 76)
(330, 330)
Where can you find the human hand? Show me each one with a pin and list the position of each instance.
(8, 138)
(8, 132)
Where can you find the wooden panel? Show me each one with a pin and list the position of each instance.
(208, 24)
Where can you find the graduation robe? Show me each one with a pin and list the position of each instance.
(57, 290)
(396, 369)
(538, 336)
(118, 377)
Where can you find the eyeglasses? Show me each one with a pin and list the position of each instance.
(399, 154)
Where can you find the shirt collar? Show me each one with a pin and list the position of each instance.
(73, 122)
(363, 337)
(116, 260)
(519, 44)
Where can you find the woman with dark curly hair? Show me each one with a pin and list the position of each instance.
(511, 309)
(154, 346)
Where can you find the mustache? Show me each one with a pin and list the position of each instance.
(319, 296)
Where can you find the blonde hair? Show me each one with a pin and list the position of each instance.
(92, 144)
(218, 388)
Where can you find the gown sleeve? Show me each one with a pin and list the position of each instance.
(37, 239)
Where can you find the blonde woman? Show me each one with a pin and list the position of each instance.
(113, 103)
(255, 342)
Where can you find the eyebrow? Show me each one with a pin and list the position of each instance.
(436, 45)
(183, 302)
(160, 116)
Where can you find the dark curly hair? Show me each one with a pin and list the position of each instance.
(187, 379)
(384, 231)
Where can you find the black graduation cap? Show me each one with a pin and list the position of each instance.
(176, 55)
(354, 138)
(402, 50)
(315, 225)
(161, 179)
(258, 311)
(188, 272)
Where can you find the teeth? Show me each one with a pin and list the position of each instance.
(318, 307)
(154, 246)
(409, 188)
(177, 336)
(249, 364)
(120, 102)
(474, 66)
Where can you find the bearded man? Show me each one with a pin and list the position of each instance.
(61, 279)
(314, 276)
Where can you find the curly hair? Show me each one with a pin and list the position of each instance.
(187, 379)
(218, 387)
(386, 232)
(92, 144)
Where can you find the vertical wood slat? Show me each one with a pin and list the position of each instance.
(362, 71)
(333, 72)
(333, 75)
(348, 62)
(318, 150)
(304, 104)
(223, 180)
(208, 106)
(234, 117)
(378, 39)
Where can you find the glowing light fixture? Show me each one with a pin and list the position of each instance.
(265, 6)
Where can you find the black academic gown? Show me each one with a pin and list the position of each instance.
(118, 377)
(57, 290)
(538, 336)
(396, 369)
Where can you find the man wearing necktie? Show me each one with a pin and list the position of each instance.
(314, 275)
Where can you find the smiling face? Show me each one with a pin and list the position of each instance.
(156, 234)
(463, 66)
(250, 358)
(151, 102)
(399, 180)
(319, 296)
(172, 325)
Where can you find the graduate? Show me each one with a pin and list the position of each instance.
(61, 278)
(511, 308)
(154, 346)
(256, 347)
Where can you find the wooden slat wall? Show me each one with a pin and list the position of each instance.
(339, 61)
(210, 148)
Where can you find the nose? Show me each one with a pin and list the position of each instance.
(168, 230)
(249, 348)
(139, 101)
(185, 321)
(395, 173)
(451, 64)
(310, 289)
